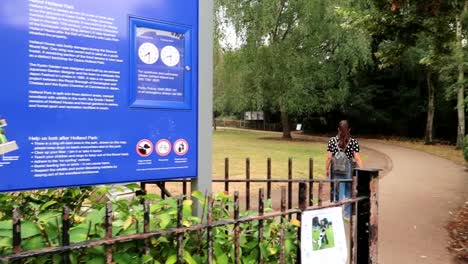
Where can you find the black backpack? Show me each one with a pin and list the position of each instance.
(341, 163)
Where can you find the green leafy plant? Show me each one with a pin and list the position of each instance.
(41, 227)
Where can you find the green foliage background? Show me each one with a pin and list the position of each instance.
(322, 61)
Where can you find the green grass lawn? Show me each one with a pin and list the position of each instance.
(238, 145)
(330, 236)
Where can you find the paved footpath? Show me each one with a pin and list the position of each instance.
(416, 198)
(418, 193)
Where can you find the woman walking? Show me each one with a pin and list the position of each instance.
(342, 157)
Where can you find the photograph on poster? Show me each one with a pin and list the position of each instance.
(323, 238)
(322, 233)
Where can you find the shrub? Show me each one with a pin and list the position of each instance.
(41, 225)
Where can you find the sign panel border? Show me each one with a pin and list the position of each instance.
(134, 23)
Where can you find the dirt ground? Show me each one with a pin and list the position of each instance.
(458, 231)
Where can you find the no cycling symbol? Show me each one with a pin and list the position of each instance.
(181, 147)
(163, 147)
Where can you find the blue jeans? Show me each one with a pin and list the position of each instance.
(344, 189)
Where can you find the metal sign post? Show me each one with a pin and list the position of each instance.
(205, 100)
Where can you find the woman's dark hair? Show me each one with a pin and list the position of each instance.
(343, 134)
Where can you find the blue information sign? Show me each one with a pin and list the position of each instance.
(96, 92)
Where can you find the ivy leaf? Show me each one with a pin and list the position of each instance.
(146, 259)
(133, 186)
(220, 254)
(171, 259)
(288, 246)
(199, 196)
(57, 259)
(152, 196)
(222, 258)
(96, 251)
(186, 223)
(97, 216)
(188, 258)
(272, 250)
(6, 233)
(124, 258)
(33, 243)
(187, 207)
(46, 205)
(73, 258)
(6, 242)
(48, 217)
(7, 224)
(250, 259)
(78, 235)
(162, 240)
(29, 229)
(128, 223)
(96, 260)
(165, 220)
(250, 245)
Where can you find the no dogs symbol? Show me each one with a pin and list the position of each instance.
(144, 148)
(181, 147)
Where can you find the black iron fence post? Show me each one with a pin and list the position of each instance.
(66, 233)
(17, 233)
(368, 215)
(302, 200)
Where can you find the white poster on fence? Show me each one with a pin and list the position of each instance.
(323, 238)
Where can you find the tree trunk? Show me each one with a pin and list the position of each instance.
(430, 108)
(285, 124)
(460, 81)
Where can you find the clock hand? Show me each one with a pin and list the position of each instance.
(148, 55)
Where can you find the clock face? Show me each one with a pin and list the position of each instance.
(148, 53)
(170, 56)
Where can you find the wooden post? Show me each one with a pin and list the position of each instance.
(247, 184)
(226, 175)
(269, 178)
(311, 183)
(290, 183)
(368, 216)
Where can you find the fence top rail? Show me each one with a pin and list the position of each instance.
(265, 180)
(146, 235)
(284, 180)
